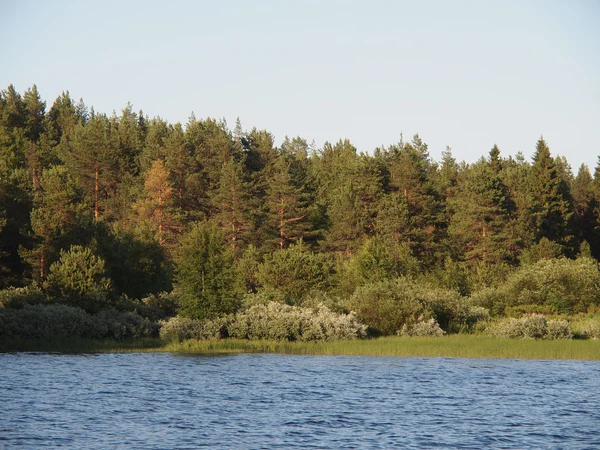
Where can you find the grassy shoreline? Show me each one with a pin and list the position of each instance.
(454, 346)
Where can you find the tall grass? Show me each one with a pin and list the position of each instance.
(454, 346)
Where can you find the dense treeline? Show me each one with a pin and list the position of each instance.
(102, 211)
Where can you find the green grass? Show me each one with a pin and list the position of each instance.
(455, 346)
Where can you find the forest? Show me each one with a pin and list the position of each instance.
(119, 226)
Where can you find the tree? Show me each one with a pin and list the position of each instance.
(35, 111)
(155, 206)
(231, 203)
(294, 271)
(204, 276)
(411, 175)
(58, 219)
(287, 211)
(92, 155)
(78, 278)
(551, 201)
(585, 205)
(481, 213)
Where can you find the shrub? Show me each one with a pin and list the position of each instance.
(520, 310)
(19, 297)
(182, 328)
(58, 321)
(424, 328)
(283, 322)
(531, 326)
(294, 271)
(79, 279)
(388, 305)
(158, 306)
(586, 327)
(562, 285)
(558, 329)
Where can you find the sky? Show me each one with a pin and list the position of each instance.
(467, 74)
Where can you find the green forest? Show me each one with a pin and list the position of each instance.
(123, 226)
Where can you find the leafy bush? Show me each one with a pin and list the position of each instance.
(79, 279)
(424, 328)
(275, 321)
(520, 310)
(182, 328)
(586, 327)
(378, 259)
(388, 305)
(294, 271)
(562, 285)
(19, 297)
(531, 326)
(158, 306)
(57, 321)
(283, 322)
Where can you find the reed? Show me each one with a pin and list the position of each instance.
(453, 346)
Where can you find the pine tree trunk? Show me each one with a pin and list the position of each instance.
(43, 264)
(97, 192)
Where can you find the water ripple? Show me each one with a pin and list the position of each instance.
(161, 400)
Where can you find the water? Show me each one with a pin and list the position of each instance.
(161, 400)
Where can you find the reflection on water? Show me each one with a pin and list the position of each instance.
(273, 401)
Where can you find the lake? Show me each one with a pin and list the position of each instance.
(160, 400)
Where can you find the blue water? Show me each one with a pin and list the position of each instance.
(157, 401)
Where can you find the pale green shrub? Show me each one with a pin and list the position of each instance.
(424, 328)
(586, 327)
(531, 326)
(291, 323)
(558, 329)
(182, 328)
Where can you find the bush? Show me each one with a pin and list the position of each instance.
(19, 297)
(558, 329)
(424, 328)
(531, 326)
(388, 305)
(291, 323)
(182, 328)
(61, 321)
(586, 327)
(79, 279)
(562, 285)
(274, 321)
(294, 271)
(158, 306)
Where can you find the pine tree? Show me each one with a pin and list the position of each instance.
(231, 203)
(58, 219)
(551, 202)
(481, 213)
(411, 175)
(585, 205)
(93, 155)
(155, 207)
(287, 212)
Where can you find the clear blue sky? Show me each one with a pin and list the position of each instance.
(462, 73)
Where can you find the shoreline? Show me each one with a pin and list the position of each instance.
(453, 346)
